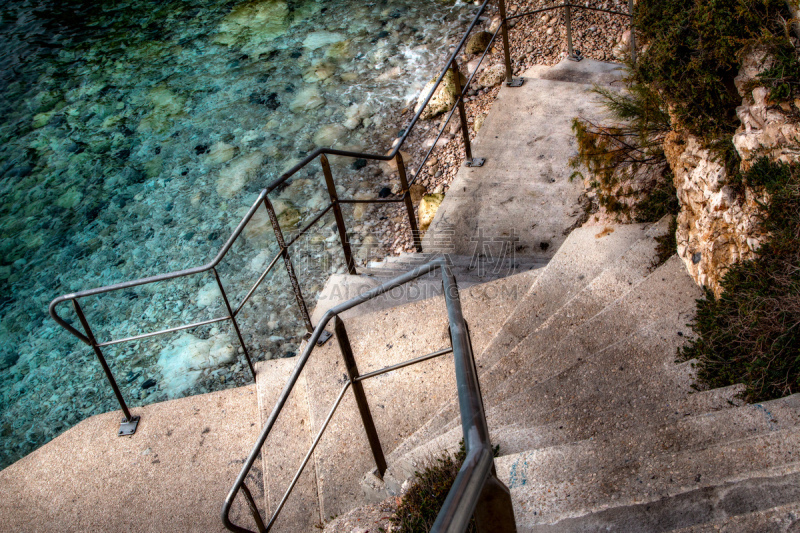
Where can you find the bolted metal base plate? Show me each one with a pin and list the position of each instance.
(576, 56)
(476, 162)
(516, 82)
(325, 337)
(128, 427)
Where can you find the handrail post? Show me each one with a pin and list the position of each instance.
(287, 261)
(571, 54)
(462, 114)
(358, 392)
(337, 213)
(129, 423)
(633, 34)
(232, 315)
(412, 218)
(251, 504)
(506, 49)
(494, 512)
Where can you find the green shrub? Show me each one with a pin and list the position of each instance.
(626, 160)
(751, 333)
(695, 49)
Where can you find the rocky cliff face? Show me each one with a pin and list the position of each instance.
(716, 226)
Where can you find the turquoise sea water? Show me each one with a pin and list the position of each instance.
(134, 136)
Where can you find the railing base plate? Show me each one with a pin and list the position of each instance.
(128, 427)
(576, 56)
(476, 162)
(516, 82)
(325, 337)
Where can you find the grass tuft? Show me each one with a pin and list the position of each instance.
(420, 506)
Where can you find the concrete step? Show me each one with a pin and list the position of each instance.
(587, 71)
(675, 427)
(624, 275)
(523, 194)
(745, 505)
(635, 337)
(402, 400)
(341, 287)
(588, 361)
(285, 448)
(554, 484)
(781, 519)
(542, 418)
(172, 475)
(584, 255)
(478, 268)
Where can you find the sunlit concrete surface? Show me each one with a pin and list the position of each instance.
(172, 475)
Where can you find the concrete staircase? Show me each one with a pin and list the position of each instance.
(599, 428)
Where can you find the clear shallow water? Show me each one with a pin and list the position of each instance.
(135, 135)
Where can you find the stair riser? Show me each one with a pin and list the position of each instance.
(543, 288)
(718, 505)
(571, 481)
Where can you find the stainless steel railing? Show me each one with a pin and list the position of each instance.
(88, 337)
(476, 490)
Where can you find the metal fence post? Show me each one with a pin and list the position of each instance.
(235, 322)
(571, 54)
(129, 423)
(633, 34)
(462, 114)
(337, 213)
(494, 512)
(412, 219)
(287, 261)
(506, 49)
(358, 392)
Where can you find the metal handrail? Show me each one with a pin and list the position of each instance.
(476, 486)
(476, 492)
(88, 337)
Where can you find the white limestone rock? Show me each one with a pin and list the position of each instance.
(235, 175)
(183, 361)
(306, 100)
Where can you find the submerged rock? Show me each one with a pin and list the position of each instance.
(220, 153)
(307, 100)
(330, 135)
(318, 39)
(166, 106)
(254, 23)
(233, 177)
(183, 361)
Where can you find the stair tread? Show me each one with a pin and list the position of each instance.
(284, 449)
(585, 477)
(679, 427)
(600, 292)
(779, 519)
(756, 504)
(341, 287)
(398, 400)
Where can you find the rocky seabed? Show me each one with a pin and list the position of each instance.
(136, 145)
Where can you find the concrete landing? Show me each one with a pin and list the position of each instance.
(523, 193)
(172, 475)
